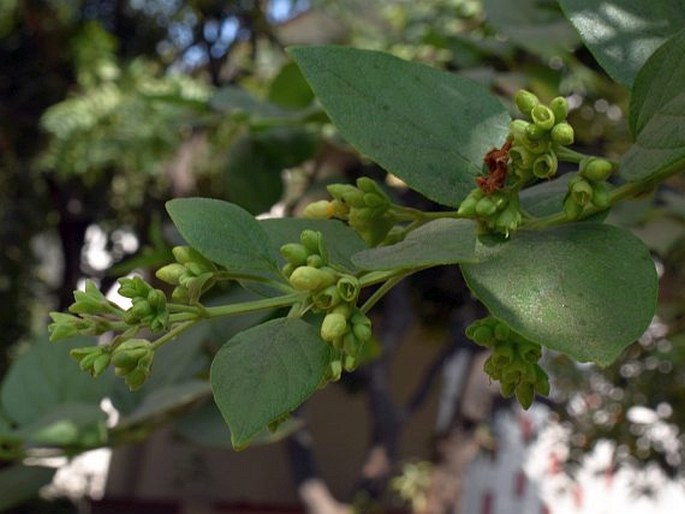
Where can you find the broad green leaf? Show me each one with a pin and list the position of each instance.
(584, 289)
(266, 372)
(79, 424)
(252, 176)
(430, 128)
(161, 403)
(657, 114)
(545, 198)
(537, 26)
(225, 234)
(20, 483)
(622, 34)
(290, 89)
(341, 241)
(442, 241)
(46, 377)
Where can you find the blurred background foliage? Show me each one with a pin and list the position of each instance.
(108, 108)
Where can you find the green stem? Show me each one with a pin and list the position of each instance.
(172, 334)
(383, 290)
(568, 155)
(256, 305)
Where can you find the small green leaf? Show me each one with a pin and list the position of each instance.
(622, 34)
(430, 128)
(225, 234)
(539, 27)
(439, 242)
(21, 483)
(340, 240)
(584, 289)
(266, 372)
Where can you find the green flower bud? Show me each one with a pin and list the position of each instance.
(335, 370)
(171, 273)
(127, 355)
(186, 255)
(529, 351)
(542, 116)
(509, 219)
(581, 191)
(503, 354)
(572, 210)
(507, 388)
(334, 325)
(368, 185)
(343, 308)
(80, 353)
(311, 239)
(525, 394)
(101, 364)
(288, 269)
(321, 210)
(596, 169)
(493, 370)
(180, 294)
(482, 335)
(517, 130)
(362, 332)
(536, 147)
(326, 299)
(350, 363)
(562, 134)
(486, 207)
(315, 261)
(64, 326)
(135, 379)
(546, 165)
(134, 287)
(559, 107)
(361, 216)
(526, 101)
(87, 362)
(467, 207)
(295, 253)
(376, 200)
(600, 195)
(502, 332)
(347, 193)
(348, 287)
(351, 344)
(157, 299)
(306, 278)
(535, 132)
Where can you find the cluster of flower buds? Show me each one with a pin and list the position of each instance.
(513, 362)
(93, 359)
(92, 314)
(500, 210)
(132, 360)
(589, 187)
(365, 207)
(192, 274)
(332, 292)
(533, 142)
(149, 305)
(347, 329)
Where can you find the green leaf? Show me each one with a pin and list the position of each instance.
(266, 372)
(537, 26)
(290, 89)
(341, 241)
(442, 241)
(657, 114)
(163, 402)
(622, 34)
(21, 483)
(545, 198)
(256, 162)
(430, 128)
(68, 424)
(225, 234)
(585, 289)
(46, 377)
